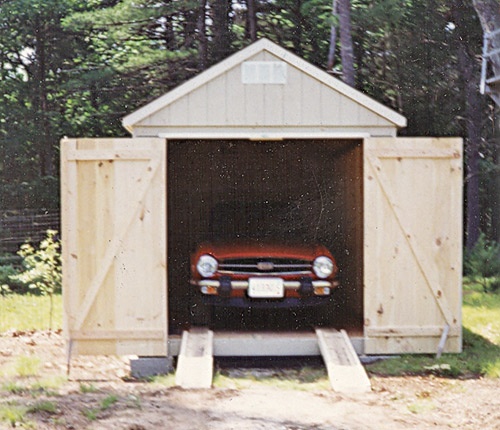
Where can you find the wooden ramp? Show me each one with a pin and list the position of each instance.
(345, 371)
(195, 362)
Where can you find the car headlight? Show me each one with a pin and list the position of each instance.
(207, 265)
(323, 267)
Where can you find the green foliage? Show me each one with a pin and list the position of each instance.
(8, 280)
(481, 345)
(90, 413)
(31, 386)
(15, 387)
(42, 268)
(27, 366)
(36, 192)
(93, 413)
(88, 388)
(4, 289)
(43, 271)
(108, 401)
(13, 414)
(482, 264)
(43, 406)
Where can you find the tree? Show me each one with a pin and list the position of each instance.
(346, 45)
(467, 39)
(488, 12)
(36, 52)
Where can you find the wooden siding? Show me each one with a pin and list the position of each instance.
(303, 102)
(412, 244)
(113, 230)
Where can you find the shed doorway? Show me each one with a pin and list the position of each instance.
(320, 179)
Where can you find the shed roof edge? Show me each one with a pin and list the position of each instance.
(232, 61)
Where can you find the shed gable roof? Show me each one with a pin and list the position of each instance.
(297, 97)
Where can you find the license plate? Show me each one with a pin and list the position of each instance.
(266, 288)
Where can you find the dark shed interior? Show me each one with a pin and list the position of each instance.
(312, 187)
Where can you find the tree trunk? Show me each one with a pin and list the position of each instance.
(221, 45)
(488, 12)
(495, 186)
(346, 45)
(333, 39)
(45, 144)
(202, 31)
(252, 20)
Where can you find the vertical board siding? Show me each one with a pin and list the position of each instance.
(114, 244)
(413, 229)
(303, 101)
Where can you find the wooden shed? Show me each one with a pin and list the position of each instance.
(262, 126)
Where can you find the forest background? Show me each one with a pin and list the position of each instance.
(76, 67)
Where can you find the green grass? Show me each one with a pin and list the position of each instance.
(481, 314)
(88, 388)
(108, 401)
(29, 312)
(92, 414)
(481, 344)
(43, 406)
(24, 366)
(14, 415)
(36, 387)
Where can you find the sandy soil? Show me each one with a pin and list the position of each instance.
(394, 403)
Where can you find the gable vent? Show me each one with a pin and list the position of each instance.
(263, 72)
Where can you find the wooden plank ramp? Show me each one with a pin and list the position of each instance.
(345, 371)
(195, 362)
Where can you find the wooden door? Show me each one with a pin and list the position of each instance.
(412, 244)
(114, 245)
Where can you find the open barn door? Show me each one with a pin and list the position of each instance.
(114, 235)
(412, 244)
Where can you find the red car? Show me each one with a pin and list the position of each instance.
(263, 274)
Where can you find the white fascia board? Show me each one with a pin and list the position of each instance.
(261, 136)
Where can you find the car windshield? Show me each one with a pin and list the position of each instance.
(271, 221)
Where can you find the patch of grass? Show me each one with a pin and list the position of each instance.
(14, 387)
(108, 401)
(13, 414)
(35, 388)
(49, 385)
(43, 406)
(27, 312)
(92, 414)
(481, 314)
(167, 380)
(481, 344)
(27, 365)
(88, 388)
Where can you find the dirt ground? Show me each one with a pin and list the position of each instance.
(99, 395)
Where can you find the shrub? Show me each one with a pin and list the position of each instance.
(8, 283)
(482, 264)
(42, 267)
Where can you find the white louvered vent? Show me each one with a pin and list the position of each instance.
(263, 72)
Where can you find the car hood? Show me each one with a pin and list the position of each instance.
(248, 249)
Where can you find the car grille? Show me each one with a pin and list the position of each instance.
(265, 266)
